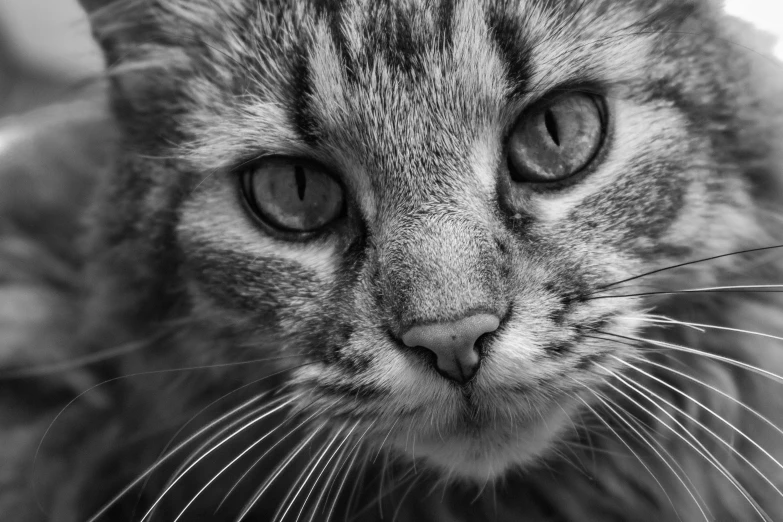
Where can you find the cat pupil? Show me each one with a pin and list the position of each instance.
(551, 126)
(301, 181)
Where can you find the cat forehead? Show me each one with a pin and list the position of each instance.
(433, 75)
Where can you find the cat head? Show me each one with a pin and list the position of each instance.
(431, 212)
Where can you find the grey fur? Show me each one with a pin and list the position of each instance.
(409, 103)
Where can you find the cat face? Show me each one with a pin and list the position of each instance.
(361, 182)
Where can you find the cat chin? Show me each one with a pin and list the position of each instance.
(478, 456)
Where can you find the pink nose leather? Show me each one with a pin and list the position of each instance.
(454, 343)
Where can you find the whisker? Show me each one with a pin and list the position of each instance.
(161, 460)
(410, 473)
(57, 367)
(278, 471)
(203, 430)
(148, 373)
(667, 320)
(646, 435)
(384, 471)
(743, 405)
(211, 450)
(206, 445)
(342, 483)
(356, 450)
(638, 457)
(324, 495)
(227, 466)
(414, 479)
(267, 452)
(750, 289)
(380, 448)
(644, 391)
(301, 480)
(710, 411)
(711, 459)
(315, 466)
(685, 349)
(352, 498)
(687, 263)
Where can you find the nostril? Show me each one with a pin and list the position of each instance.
(483, 341)
(453, 343)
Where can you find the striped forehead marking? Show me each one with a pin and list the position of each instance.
(407, 45)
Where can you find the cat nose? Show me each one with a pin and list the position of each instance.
(454, 343)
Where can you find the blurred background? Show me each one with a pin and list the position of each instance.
(45, 47)
(46, 53)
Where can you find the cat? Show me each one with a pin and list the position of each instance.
(418, 260)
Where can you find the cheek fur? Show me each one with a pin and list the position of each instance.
(240, 268)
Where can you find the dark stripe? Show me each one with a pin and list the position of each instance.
(331, 9)
(446, 23)
(390, 33)
(559, 348)
(404, 56)
(506, 31)
(332, 338)
(302, 83)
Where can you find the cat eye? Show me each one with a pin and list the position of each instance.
(292, 195)
(556, 139)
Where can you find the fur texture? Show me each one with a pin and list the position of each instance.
(592, 402)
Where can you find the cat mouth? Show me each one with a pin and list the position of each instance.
(478, 443)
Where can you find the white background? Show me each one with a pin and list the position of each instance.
(766, 14)
(55, 34)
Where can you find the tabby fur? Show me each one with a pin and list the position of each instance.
(141, 291)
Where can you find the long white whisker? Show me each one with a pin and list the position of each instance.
(689, 263)
(734, 287)
(384, 470)
(769, 289)
(314, 467)
(267, 452)
(307, 471)
(380, 448)
(201, 411)
(641, 461)
(220, 433)
(161, 460)
(339, 491)
(278, 471)
(667, 320)
(705, 453)
(226, 467)
(714, 414)
(685, 349)
(647, 437)
(359, 441)
(129, 376)
(354, 490)
(399, 483)
(743, 405)
(211, 450)
(341, 457)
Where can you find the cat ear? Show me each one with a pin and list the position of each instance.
(128, 31)
(107, 19)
